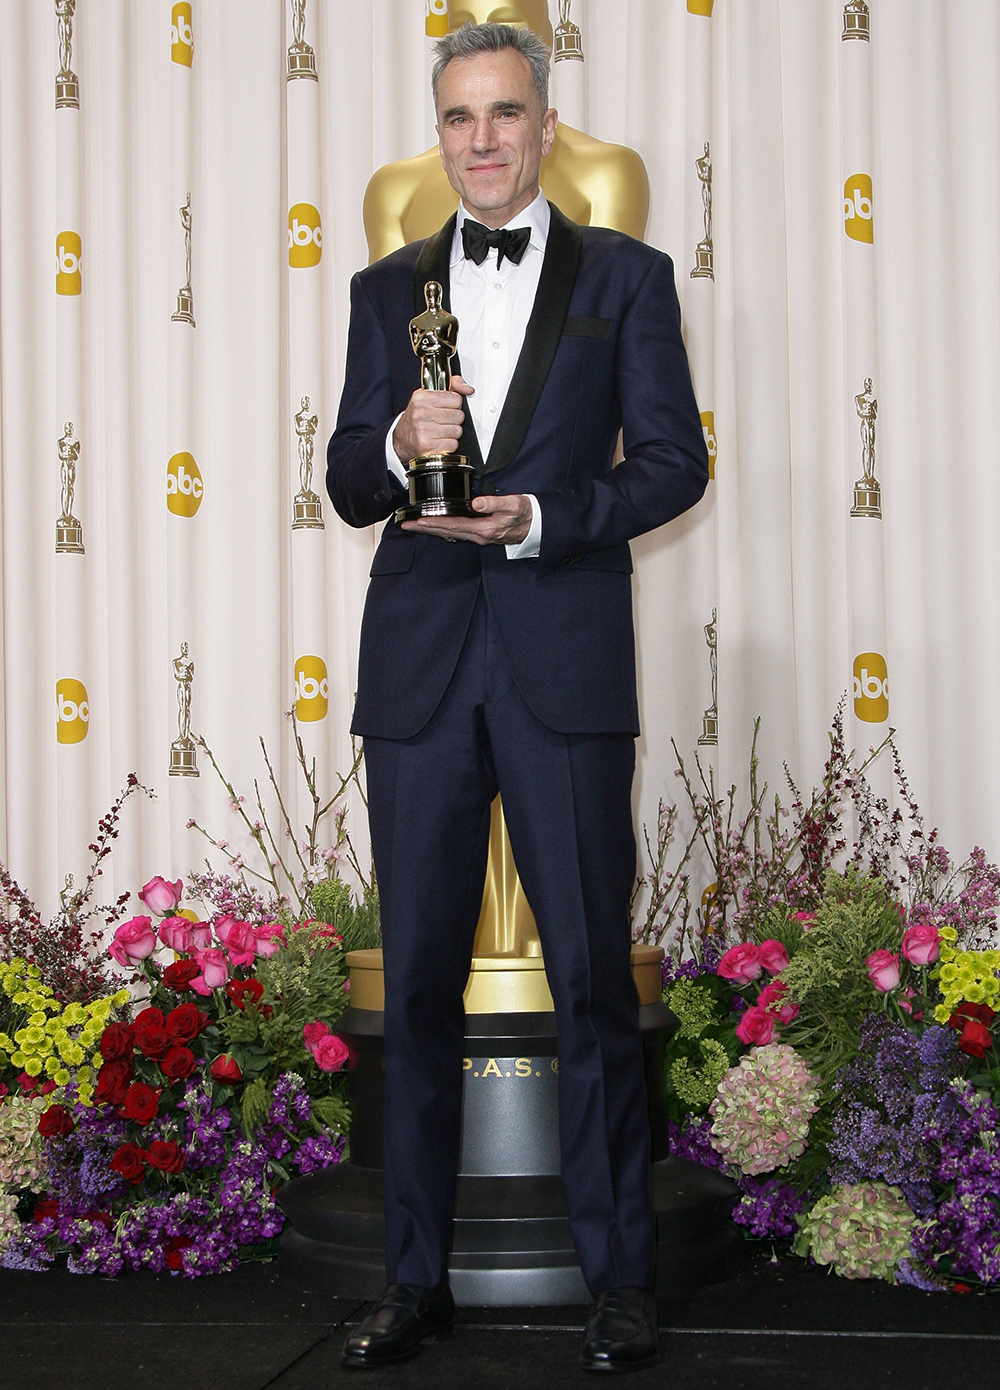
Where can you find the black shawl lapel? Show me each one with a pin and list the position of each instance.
(541, 338)
(433, 263)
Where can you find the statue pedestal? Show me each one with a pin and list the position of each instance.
(512, 1242)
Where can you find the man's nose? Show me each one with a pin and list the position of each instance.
(484, 134)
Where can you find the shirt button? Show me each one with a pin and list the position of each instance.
(496, 345)
(493, 410)
(498, 285)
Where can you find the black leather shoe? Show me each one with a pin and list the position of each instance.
(405, 1316)
(621, 1332)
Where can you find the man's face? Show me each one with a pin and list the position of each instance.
(493, 135)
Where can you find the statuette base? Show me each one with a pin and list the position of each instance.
(704, 265)
(183, 758)
(867, 499)
(301, 63)
(308, 512)
(69, 537)
(568, 45)
(185, 308)
(67, 90)
(440, 485)
(710, 727)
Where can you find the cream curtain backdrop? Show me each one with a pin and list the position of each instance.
(803, 307)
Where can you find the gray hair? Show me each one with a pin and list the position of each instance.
(471, 39)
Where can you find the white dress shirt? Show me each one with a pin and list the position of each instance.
(493, 305)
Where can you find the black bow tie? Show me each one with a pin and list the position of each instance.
(511, 242)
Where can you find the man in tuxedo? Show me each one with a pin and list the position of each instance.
(497, 653)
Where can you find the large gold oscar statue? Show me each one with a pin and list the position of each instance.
(596, 184)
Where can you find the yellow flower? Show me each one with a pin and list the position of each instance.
(949, 973)
(39, 1019)
(17, 1059)
(62, 1076)
(974, 993)
(97, 1060)
(74, 1055)
(74, 1014)
(84, 1075)
(948, 934)
(32, 1066)
(942, 1013)
(33, 1035)
(52, 1065)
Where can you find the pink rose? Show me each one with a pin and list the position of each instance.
(903, 1000)
(921, 944)
(238, 938)
(176, 933)
(330, 1053)
(161, 896)
(741, 964)
(773, 956)
(804, 919)
(756, 1027)
(214, 971)
(772, 999)
(883, 970)
(134, 940)
(202, 932)
(270, 938)
(313, 1034)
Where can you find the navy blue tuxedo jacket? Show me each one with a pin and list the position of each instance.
(602, 352)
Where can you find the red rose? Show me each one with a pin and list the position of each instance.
(27, 1083)
(46, 1209)
(226, 1069)
(982, 1012)
(117, 1040)
(244, 992)
(130, 1162)
(976, 1039)
(185, 1022)
(47, 1087)
(173, 1251)
(179, 975)
(177, 1062)
(141, 1102)
(56, 1122)
(147, 1016)
(152, 1040)
(165, 1155)
(112, 1082)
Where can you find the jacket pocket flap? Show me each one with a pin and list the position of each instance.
(394, 556)
(587, 328)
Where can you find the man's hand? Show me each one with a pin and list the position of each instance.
(432, 422)
(500, 520)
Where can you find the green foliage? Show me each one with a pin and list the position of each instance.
(358, 923)
(303, 982)
(256, 1103)
(704, 1046)
(696, 1086)
(241, 1027)
(777, 924)
(332, 1112)
(827, 974)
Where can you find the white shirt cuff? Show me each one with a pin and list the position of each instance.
(393, 462)
(528, 548)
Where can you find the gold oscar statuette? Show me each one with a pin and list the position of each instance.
(440, 484)
(67, 82)
(867, 490)
(185, 300)
(704, 262)
(308, 509)
(69, 532)
(183, 753)
(301, 58)
(710, 719)
(857, 21)
(568, 38)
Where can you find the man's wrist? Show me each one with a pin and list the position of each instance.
(528, 548)
(392, 460)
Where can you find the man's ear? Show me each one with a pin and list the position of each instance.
(549, 122)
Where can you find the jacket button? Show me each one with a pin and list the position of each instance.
(381, 495)
(489, 488)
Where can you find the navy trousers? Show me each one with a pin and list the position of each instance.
(567, 804)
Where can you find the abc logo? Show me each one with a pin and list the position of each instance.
(871, 688)
(708, 425)
(436, 19)
(701, 7)
(181, 34)
(858, 208)
(305, 235)
(72, 711)
(68, 263)
(312, 689)
(185, 488)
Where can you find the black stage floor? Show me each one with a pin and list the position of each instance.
(776, 1326)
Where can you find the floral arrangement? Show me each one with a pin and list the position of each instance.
(835, 1050)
